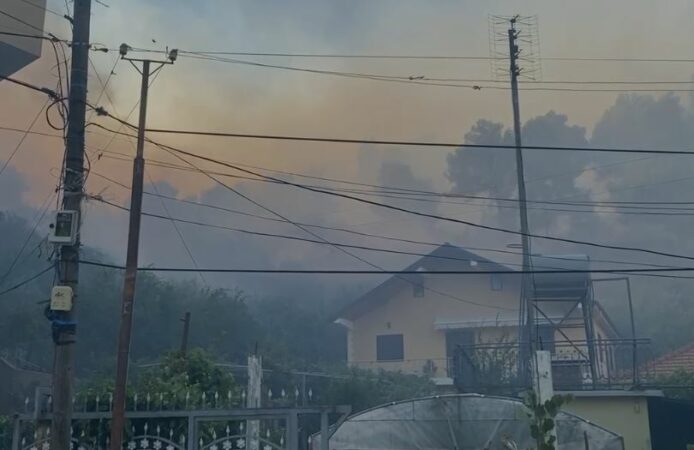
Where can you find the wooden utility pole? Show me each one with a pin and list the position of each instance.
(68, 268)
(526, 281)
(131, 261)
(184, 337)
(126, 314)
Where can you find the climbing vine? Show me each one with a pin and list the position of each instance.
(543, 418)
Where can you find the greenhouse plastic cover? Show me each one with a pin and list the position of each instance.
(460, 422)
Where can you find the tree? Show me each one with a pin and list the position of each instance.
(193, 374)
(680, 378)
(180, 380)
(363, 389)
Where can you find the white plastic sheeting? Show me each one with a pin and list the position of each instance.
(460, 422)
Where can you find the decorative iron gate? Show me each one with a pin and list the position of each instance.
(212, 422)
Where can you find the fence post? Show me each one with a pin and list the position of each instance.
(324, 435)
(191, 439)
(16, 431)
(292, 430)
(255, 379)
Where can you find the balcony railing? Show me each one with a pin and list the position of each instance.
(576, 365)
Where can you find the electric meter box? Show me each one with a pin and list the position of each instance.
(61, 298)
(64, 228)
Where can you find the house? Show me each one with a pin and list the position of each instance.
(679, 360)
(418, 323)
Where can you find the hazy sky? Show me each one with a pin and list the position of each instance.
(210, 95)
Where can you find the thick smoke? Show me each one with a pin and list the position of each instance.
(634, 121)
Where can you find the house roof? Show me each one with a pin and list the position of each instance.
(679, 359)
(444, 257)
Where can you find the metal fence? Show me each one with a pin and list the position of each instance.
(180, 421)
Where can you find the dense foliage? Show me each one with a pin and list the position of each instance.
(364, 389)
(291, 333)
(296, 332)
(681, 385)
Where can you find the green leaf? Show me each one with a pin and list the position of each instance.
(547, 425)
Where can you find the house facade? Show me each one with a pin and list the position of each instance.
(419, 323)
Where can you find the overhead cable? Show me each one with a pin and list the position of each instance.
(403, 143)
(26, 281)
(386, 272)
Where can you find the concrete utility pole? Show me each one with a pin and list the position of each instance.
(126, 318)
(68, 268)
(255, 382)
(526, 280)
(543, 384)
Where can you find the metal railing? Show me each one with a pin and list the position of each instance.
(497, 367)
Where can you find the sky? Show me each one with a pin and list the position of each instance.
(211, 95)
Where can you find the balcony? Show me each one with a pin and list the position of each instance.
(497, 368)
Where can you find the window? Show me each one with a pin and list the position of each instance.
(418, 289)
(496, 282)
(389, 347)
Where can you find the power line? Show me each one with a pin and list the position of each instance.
(52, 94)
(339, 229)
(405, 210)
(384, 250)
(24, 136)
(104, 85)
(32, 36)
(583, 203)
(39, 133)
(612, 208)
(415, 79)
(333, 55)
(612, 59)
(122, 124)
(423, 214)
(387, 272)
(40, 214)
(44, 8)
(395, 191)
(414, 56)
(409, 143)
(23, 22)
(26, 281)
(445, 82)
(307, 231)
(482, 226)
(540, 82)
(175, 226)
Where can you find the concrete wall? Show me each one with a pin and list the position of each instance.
(624, 415)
